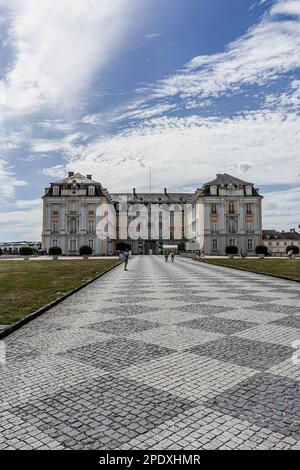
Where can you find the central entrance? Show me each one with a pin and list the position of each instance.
(151, 247)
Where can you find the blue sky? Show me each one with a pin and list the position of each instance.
(189, 87)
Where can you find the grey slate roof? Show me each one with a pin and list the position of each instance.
(78, 178)
(275, 235)
(152, 198)
(226, 179)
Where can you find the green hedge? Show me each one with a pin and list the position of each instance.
(261, 250)
(231, 250)
(55, 251)
(26, 251)
(85, 250)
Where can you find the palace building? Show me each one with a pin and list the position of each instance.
(78, 211)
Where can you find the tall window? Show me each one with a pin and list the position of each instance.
(249, 227)
(73, 245)
(250, 244)
(232, 242)
(91, 190)
(214, 208)
(55, 209)
(55, 190)
(91, 226)
(73, 225)
(91, 243)
(214, 227)
(215, 244)
(249, 208)
(73, 206)
(232, 225)
(231, 207)
(54, 243)
(55, 226)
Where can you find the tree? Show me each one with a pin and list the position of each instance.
(294, 249)
(1, 252)
(85, 250)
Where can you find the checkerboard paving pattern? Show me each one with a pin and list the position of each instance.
(163, 356)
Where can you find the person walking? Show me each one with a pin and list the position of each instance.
(125, 258)
(172, 256)
(166, 256)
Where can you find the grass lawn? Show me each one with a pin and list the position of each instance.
(289, 269)
(26, 286)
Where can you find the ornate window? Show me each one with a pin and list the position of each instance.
(215, 244)
(249, 227)
(91, 226)
(73, 225)
(232, 225)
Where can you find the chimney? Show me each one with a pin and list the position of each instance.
(71, 173)
(134, 192)
(165, 191)
(292, 230)
(89, 177)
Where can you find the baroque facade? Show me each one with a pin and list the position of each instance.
(79, 211)
(277, 242)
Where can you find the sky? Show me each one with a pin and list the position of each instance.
(190, 88)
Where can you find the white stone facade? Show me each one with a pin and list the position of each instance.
(79, 211)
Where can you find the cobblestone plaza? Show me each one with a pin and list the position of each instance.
(164, 356)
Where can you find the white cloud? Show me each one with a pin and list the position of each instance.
(282, 209)
(56, 171)
(286, 7)
(21, 225)
(24, 204)
(57, 47)
(153, 35)
(189, 151)
(8, 182)
(268, 50)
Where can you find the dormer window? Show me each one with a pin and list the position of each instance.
(91, 190)
(248, 190)
(55, 191)
(213, 190)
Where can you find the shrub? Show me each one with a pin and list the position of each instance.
(85, 250)
(55, 251)
(26, 251)
(261, 250)
(231, 250)
(294, 248)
